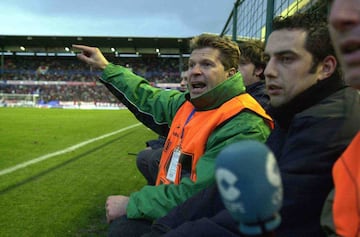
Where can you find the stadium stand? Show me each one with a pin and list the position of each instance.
(65, 79)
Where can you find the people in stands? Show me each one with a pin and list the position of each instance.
(341, 212)
(74, 81)
(216, 94)
(315, 119)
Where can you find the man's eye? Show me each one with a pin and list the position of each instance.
(286, 59)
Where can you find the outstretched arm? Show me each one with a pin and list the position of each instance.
(91, 56)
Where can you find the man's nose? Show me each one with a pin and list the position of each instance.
(270, 69)
(196, 69)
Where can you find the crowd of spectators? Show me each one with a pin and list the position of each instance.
(96, 93)
(76, 81)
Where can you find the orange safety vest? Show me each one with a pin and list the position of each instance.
(190, 131)
(346, 206)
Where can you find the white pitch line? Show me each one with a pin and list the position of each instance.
(72, 148)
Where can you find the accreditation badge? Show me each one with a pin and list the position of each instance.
(171, 174)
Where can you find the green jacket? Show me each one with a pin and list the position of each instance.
(156, 108)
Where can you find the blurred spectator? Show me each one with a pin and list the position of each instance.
(68, 69)
(183, 82)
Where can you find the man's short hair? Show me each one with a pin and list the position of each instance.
(317, 42)
(253, 51)
(229, 50)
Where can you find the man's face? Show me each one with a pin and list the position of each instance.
(287, 72)
(249, 72)
(205, 71)
(184, 81)
(344, 19)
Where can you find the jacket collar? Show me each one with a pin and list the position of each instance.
(255, 87)
(313, 95)
(214, 98)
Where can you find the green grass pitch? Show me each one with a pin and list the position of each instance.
(65, 195)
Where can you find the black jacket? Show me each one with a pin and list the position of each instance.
(310, 134)
(257, 90)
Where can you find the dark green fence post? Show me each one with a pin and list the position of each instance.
(235, 13)
(2, 62)
(269, 17)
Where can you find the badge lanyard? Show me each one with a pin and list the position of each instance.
(186, 122)
(171, 174)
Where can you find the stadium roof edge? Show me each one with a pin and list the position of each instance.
(56, 44)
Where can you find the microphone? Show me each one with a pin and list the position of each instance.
(250, 186)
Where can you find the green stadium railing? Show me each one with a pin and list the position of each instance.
(251, 19)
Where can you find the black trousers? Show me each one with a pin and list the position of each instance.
(124, 227)
(148, 164)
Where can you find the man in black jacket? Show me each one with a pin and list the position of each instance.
(315, 119)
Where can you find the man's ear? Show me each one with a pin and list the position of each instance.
(328, 67)
(231, 72)
(258, 71)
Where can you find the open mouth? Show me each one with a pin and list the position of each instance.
(198, 85)
(351, 53)
(350, 48)
(273, 89)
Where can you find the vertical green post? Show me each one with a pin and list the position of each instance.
(181, 63)
(269, 17)
(235, 13)
(2, 63)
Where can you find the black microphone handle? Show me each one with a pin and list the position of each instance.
(267, 234)
(264, 233)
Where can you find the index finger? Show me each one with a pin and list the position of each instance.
(81, 47)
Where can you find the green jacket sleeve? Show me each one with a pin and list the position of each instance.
(153, 202)
(154, 107)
